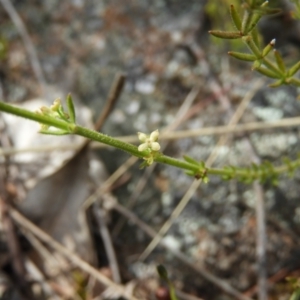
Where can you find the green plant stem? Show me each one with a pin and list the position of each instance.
(93, 135)
(27, 114)
(164, 159)
(240, 172)
(108, 140)
(196, 169)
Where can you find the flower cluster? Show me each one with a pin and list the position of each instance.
(56, 111)
(150, 144)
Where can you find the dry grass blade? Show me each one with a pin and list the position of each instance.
(261, 235)
(37, 276)
(105, 187)
(261, 242)
(113, 96)
(100, 215)
(25, 223)
(32, 54)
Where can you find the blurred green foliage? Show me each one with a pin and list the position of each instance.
(219, 15)
(3, 48)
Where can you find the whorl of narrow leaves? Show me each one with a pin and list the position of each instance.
(264, 172)
(201, 171)
(247, 31)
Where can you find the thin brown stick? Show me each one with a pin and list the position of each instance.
(15, 252)
(261, 234)
(106, 186)
(100, 215)
(38, 276)
(113, 96)
(31, 52)
(25, 223)
(261, 241)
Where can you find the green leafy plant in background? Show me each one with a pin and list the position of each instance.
(295, 282)
(246, 30)
(296, 12)
(56, 120)
(3, 48)
(218, 16)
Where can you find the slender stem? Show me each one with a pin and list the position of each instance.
(24, 113)
(105, 139)
(196, 169)
(176, 163)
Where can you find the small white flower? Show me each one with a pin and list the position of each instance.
(149, 142)
(154, 135)
(155, 146)
(142, 136)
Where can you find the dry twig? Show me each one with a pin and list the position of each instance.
(26, 224)
(32, 54)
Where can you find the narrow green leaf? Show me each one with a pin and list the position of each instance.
(253, 22)
(235, 18)
(279, 61)
(190, 173)
(255, 37)
(273, 67)
(242, 56)
(267, 11)
(267, 72)
(64, 116)
(190, 160)
(202, 164)
(295, 295)
(143, 165)
(294, 69)
(53, 132)
(71, 108)
(205, 179)
(162, 272)
(246, 21)
(256, 64)
(277, 83)
(268, 48)
(226, 34)
(294, 81)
